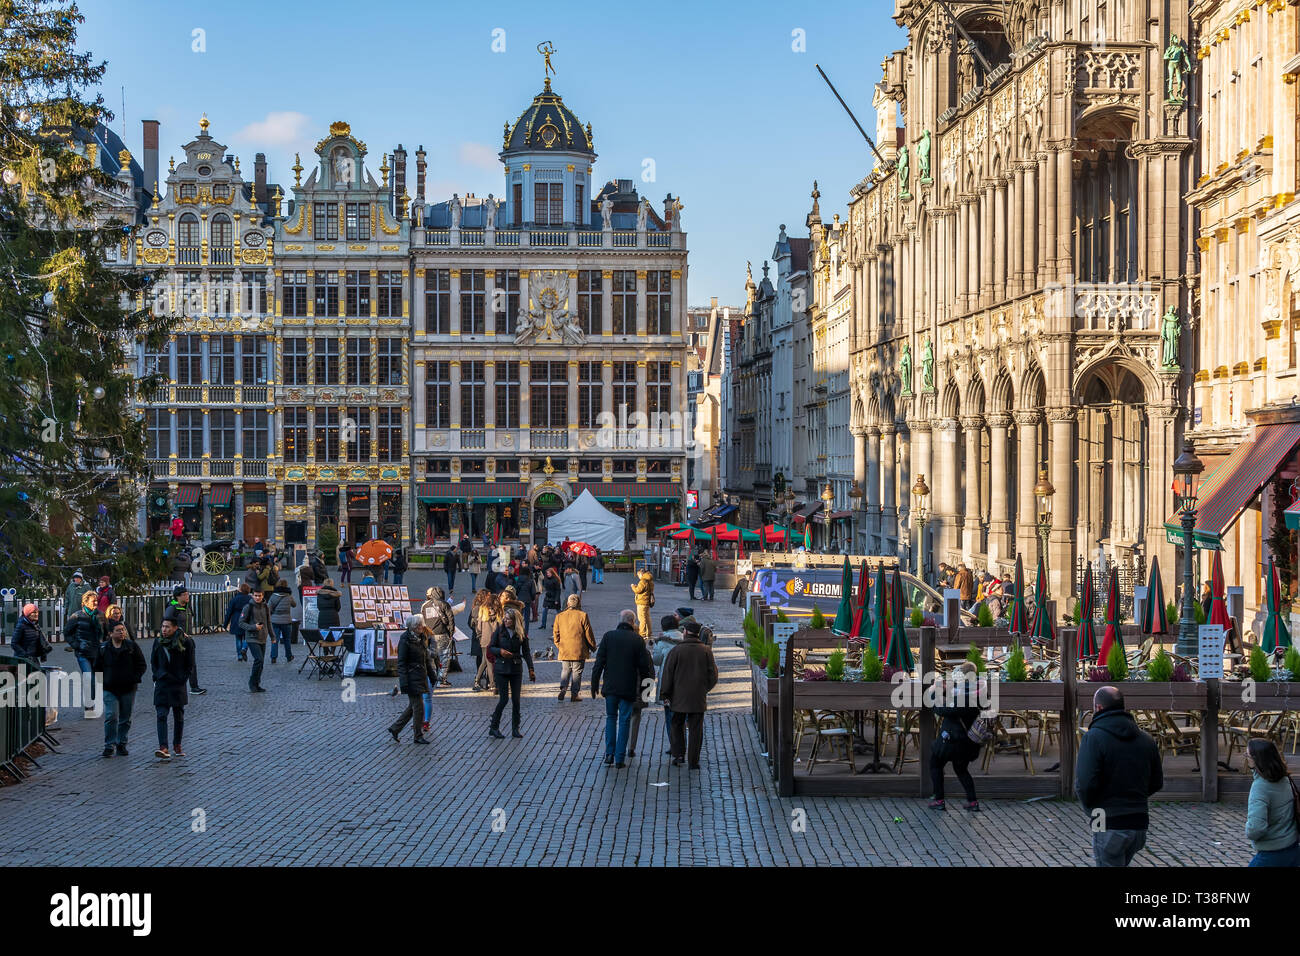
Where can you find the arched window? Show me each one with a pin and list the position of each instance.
(187, 230)
(222, 235)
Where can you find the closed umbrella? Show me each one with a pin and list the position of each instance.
(1087, 629)
(1017, 614)
(1218, 611)
(880, 627)
(1040, 627)
(844, 616)
(1112, 634)
(898, 652)
(861, 622)
(1153, 614)
(1275, 630)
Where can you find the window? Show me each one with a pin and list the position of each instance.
(159, 422)
(221, 359)
(189, 433)
(295, 361)
(221, 299)
(327, 293)
(221, 425)
(624, 389)
(188, 191)
(389, 434)
(191, 292)
(295, 434)
(356, 429)
(222, 234)
(623, 300)
(358, 293)
(256, 368)
(507, 395)
(548, 397)
(327, 433)
(189, 360)
(254, 299)
(295, 293)
(659, 302)
(578, 217)
(437, 394)
(517, 203)
(437, 301)
(255, 436)
(327, 361)
(473, 394)
(390, 362)
(508, 283)
(473, 307)
(548, 204)
(187, 232)
(589, 394)
(220, 190)
(358, 361)
(390, 294)
(358, 221)
(158, 363)
(658, 389)
(325, 220)
(590, 306)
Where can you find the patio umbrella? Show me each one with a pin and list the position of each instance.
(691, 534)
(669, 528)
(374, 551)
(1153, 613)
(844, 616)
(898, 653)
(880, 627)
(1275, 631)
(581, 548)
(1112, 634)
(774, 534)
(1087, 629)
(1040, 627)
(1017, 616)
(860, 617)
(1218, 610)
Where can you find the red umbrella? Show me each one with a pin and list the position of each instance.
(1218, 611)
(860, 604)
(1153, 614)
(1087, 629)
(675, 526)
(1112, 635)
(374, 551)
(582, 548)
(1017, 618)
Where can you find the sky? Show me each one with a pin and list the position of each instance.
(720, 102)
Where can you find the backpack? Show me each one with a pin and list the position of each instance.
(980, 731)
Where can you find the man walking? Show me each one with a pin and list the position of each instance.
(178, 612)
(690, 672)
(1118, 769)
(574, 638)
(171, 668)
(708, 574)
(624, 661)
(598, 568)
(234, 614)
(123, 666)
(29, 640)
(692, 572)
(256, 622)
(451, 564)
(965, 585)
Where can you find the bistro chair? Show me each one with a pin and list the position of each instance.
(1010, 735)
(837, 731)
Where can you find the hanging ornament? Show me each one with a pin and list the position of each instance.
(48, 299)
(24, 116)
(10, 177)
(99, 391)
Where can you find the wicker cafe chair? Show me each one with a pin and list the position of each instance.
(1010, 735)
(837, 731)
(1048, 723)
(1266, 724)
(1177, 739)
(907, 731)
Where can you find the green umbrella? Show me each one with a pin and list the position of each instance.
(898, 653)
(1016, 616)
(844, 616)
(879, 626)
(1040, 628)
(1275, 631)
(1087, 627)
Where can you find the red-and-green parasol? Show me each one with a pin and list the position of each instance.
(1017, 614)
(1276, 633)
(1112, 634)
(1218, 611)
(844, 616)
(1040, 627)
(879, 626)
(1087, 629)
(898, 653)
(861, 620)
(1153, 613)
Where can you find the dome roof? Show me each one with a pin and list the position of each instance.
(547, 124)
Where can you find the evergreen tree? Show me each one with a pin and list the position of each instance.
(72, 448)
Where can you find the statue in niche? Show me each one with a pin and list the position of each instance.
(905, 369)
(927, 366)
(642, 211)
(490, 213)
(606, 210)
(904, 174)
(1171, 330)
(923, 149)
(455, 211)
(1178, 66)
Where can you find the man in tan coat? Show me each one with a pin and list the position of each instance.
(644, 592)
(574, 638)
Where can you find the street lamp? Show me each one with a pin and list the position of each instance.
(627, 522)
(1187, 471)
(827, 497)
(921, 495)
(1043, 492)
(855, 495)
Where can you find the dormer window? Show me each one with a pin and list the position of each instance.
(548, 204)
(220, 190)
(189, 191)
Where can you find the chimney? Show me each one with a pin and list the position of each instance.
(399, 174)
(259, 176)
(420, 167)
(150, 154)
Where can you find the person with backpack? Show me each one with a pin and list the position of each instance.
(1272, 808)
(345, 564)
(955, 743)
(474, 566)
(417, 671)
(598, 568)
(122, 663)
(235, 611)
(281, 608)
(399, 565)
(256, 622)
(644, 592)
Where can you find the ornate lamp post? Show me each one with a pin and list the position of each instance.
(627, 522)
(921, 509)
(827, 497)
(1043, 492)
(789, 517)
(1187, 472)
(855, 495)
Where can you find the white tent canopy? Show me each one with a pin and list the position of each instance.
(587, 520)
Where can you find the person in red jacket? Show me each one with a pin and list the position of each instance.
(178, 528)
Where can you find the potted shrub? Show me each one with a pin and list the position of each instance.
(327, 540)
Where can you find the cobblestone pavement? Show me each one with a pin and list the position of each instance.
(299, 777)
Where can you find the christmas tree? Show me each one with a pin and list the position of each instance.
(72, 448)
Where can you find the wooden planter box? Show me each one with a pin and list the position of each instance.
(1031, 695)
(1147, 695)
(845, 695)
(766, 687)
(1269, 695)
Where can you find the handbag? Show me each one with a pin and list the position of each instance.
(981, 731)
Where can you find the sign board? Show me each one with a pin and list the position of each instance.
(380, 605)
(692, 499)
(781, 633)
(1210, 651)
(310, 609)
(797, 590)
(950, 595)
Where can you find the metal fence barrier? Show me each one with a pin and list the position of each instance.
(21, 723)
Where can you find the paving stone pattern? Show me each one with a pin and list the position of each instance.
(299, 777)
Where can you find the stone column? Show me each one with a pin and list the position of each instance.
(1047, 255)
(973, 527)
(1063, 518)
(987, 239)
(920, 464)
(607, 389)
(1029, 228)
(1016, 283)
(959, 285)
(903, 442)
(873, 488)
(860, 459)
(490, 409)
(1064, 208)
(973, 225)
(453, 299)
(1027, 423)
(572, 398)
(419, 320)
(947, 484)
(455, 395)
(1000, 544)
(940, 306)
(888, 488)
(640, 302)
(1000, 241)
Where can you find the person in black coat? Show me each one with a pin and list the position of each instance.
(122, 663)
(953, 744)
(84, 635)
(624, 661)
(29, 640)
(510, 654)
(692, 572)
(234, 611)
(526, 592)
(451, 564)
(329, 604)
(415, 677)
(178, 612)
(171, 662)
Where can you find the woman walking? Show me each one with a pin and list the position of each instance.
(1272, 807)
(552, 585)
(170, 663)
(484, 616)
(510, 653)
(281, 606)
(955, 746)
(474, 565)
(415, 675)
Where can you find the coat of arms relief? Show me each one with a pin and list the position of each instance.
(548, 320)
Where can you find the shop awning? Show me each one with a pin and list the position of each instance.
(716, 514)
(807, 511)
(641, 492)
(1231, 487)
(841, 515)
(483, 492)
(220, 496)
(1292, 516)
(327, 489)
(187, 496)
(390, 489)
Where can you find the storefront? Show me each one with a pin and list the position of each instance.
(327, 508)
(158, 511)
(390, 514)
(256, 515)
(223, 518)
(359, 513)
(475, 508)
(189, 505)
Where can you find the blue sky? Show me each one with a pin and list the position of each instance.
(737, 123)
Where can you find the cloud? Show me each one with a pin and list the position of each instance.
(281, 129)
(480, 156)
